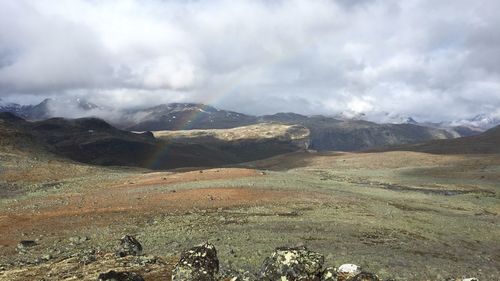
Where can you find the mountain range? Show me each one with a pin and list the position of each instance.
(484, 143)
(345, 132)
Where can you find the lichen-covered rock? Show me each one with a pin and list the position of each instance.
(292, 264)
(329, 274)
(347, 271)
(199, 263)
(119, 276)
(129, 246)
(365, 276)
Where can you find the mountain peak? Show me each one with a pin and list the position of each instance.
(484, 121)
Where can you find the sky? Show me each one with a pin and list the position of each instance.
(433, 60)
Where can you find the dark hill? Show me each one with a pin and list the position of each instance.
(93, 141)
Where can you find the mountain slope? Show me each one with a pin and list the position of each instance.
(50, 108)
(183, 116)
(248, 142)
(91, 140)
(350, 135)
(485, 143)
(482, 121)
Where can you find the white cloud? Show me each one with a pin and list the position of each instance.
(429, 59)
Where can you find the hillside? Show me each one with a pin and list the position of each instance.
(485, 143)
(258, 132)
(93, 141)
(350, 135)
(183, 116)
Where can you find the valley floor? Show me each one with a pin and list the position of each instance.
(402, 215)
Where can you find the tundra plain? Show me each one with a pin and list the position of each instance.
(402, 215)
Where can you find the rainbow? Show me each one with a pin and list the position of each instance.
(210, 98)
(161, 154)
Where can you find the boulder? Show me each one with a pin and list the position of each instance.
(199, 263)
(129, 246)
(292, 264)
(347, 271)
(119, 276)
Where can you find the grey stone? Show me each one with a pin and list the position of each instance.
(348, 271)
(298, 264)
(129, 246)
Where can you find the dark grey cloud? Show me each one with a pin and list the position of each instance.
(429, 59)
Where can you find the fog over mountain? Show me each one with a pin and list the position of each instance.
(429, 60)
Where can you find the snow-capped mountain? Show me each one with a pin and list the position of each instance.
(17, 109)
(175, 116)
(51, 108)
(483, 121)
(377, 117)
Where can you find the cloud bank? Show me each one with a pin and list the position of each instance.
(433, 60)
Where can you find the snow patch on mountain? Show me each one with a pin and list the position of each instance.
(483, 121)
(377, 117)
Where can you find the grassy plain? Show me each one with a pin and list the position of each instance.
(402, 215)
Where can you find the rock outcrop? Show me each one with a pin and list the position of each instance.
(292, 264)
(199, 263)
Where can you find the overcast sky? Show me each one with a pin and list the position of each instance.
(434, 60)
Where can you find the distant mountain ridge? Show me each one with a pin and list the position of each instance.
(341, 132)
(183, 116)
(328, 133)
(380, 117)
(485, 143)
(48, 108)
(483, 121)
